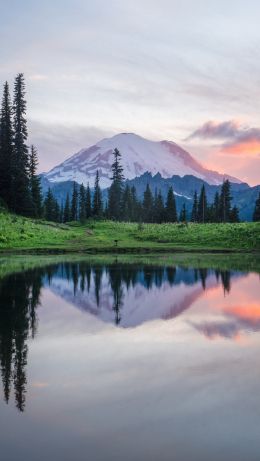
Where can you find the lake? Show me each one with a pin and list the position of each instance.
(130, 359)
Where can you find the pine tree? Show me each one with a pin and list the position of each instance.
(97, 198)
(66, 213)
(56, 211)
(159, 210)
(183, 214)
(116, 189)
(88, 203)
(61, 217)
(256, 214)
(194, 211)
(22, 199)
(49, 206)
(74, 203)
(127, 204)
(234, 214)
(137, 206)
(148, 205)
(216, 206)
(211, 213)
(6, 149)
(35, 186)
(170, 209)
(202, 206)
(225, 202)
(82, 203)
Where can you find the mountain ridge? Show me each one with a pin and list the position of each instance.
(244, 196)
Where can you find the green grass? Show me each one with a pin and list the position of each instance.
(22, 234)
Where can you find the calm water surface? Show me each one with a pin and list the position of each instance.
(129, 362)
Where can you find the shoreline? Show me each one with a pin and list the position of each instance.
(126, 250)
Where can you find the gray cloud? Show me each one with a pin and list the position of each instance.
(214, 130)
(230, 132)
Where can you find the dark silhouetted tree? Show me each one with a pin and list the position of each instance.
(74, 203)
(183, 214)
(225, 202)
(234, 214)
(82, 203)
(116, 188)
(88, 203)
(202, 206)
(127, 204)
(194, 211)
(97, 198)
(170, 209)
(34, 183)
(148, 205)
(51, 207)
(159, 210)
(216, 211)
(22, 197)
(256, 214)
(6, 150)
(66, 212)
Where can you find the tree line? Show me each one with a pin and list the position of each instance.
(20, 296)
(122, 203)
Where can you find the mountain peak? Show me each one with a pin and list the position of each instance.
(138, 156)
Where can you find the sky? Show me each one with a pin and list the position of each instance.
(186, 71)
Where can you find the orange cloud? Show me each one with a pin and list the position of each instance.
(247, 147)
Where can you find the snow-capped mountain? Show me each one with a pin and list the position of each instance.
(139, 155)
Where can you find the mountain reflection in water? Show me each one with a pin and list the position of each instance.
(126, 295)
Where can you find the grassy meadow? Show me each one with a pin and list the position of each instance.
(23, 234)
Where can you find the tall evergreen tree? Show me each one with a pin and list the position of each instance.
(216, 210)
(88, 203)
(61, 217)
(170, 209)
(256, 214)
(234, 214)
(82, 203)
(225, 202)
(74, 203)
(159, 210)
(35, 186)
(97, 198)
(116, 189)
(56, 211)
(194, 211)
(183, 214)
(148, 205)
(202, 206)
(66, 212)
(137, 206)
(6, 149)
(50, 207)
(22, 200)
(127, 204)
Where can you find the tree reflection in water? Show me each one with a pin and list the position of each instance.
(20, 296)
